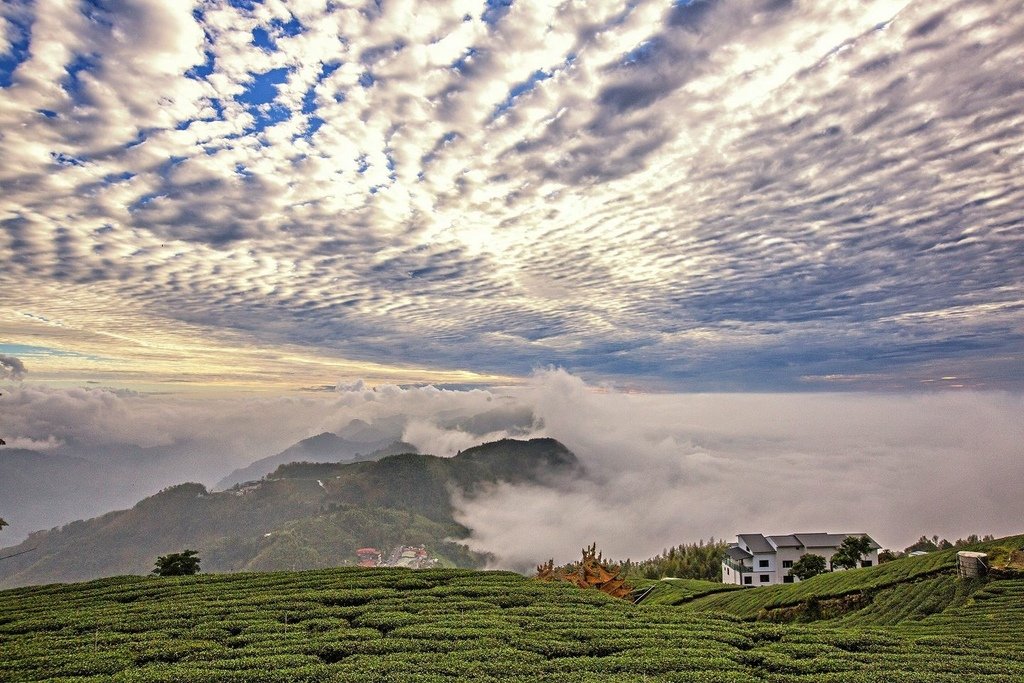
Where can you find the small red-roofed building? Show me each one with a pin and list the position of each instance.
(368, 557)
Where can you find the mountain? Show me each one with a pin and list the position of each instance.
(41, 489)
(303, 515)
(38, 489)
(356, 441)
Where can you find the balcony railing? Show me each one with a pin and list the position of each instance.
(736, 566)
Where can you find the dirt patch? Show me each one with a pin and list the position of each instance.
(816, 609)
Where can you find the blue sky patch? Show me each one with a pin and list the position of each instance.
(64, 159)
(201, 71)
(643, 52)
(327, 69)
(312, 127)
(112, 178)
(260, 97)
(29, 351)
(261, 39)
(462, 62)
(264, 87)
(495, 11)
(292, 27)
(18, 53)
(520, 89)
(309, 101)
(72, 83)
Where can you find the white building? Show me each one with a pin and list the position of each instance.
(758, 560)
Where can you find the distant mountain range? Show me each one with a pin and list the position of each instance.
(301, 515)
(325, 447)
(37, 486)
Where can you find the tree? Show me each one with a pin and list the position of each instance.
(850, 552)
(807, 566)
(184, 563)
(922, 544)
(888, 556)
(3, 523)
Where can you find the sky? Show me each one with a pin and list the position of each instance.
(661, 196)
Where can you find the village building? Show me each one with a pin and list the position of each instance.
(758, 560)
(368, 557)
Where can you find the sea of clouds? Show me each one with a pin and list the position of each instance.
(661, 469)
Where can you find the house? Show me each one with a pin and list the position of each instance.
(368, 557)
(758, 560)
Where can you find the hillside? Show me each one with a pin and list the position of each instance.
(670, 591)
(302, 516)
(906, 589)
(428, 626)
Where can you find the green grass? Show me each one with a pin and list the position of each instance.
(749, 603)
(436, 625)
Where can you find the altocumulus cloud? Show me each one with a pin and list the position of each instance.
(742, 193)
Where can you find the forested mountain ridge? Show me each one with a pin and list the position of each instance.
(303, 515)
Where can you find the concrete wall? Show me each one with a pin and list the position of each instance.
(787, 555)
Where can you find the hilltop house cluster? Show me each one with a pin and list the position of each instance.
(759, 560)
(410, 556)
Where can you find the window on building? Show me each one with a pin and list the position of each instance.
(727, 572)
(786, 564)
(765, 578)
(865, 563)
(787, 579)
(762, 563)
(748, 580)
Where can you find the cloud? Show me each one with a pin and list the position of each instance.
(33, 444)
(710, 195)
(429, 437)
(663, 469)
(11, 368)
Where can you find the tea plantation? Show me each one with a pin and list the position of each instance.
(399, 625)
(903, 574)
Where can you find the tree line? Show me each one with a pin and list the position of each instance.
(700, 560)
(930, 545)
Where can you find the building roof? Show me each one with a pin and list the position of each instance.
(787, 541)
(821, 540)
(757, 543)
(737, 554)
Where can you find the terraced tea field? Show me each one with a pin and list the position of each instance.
(436, 625)
(677, 591)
